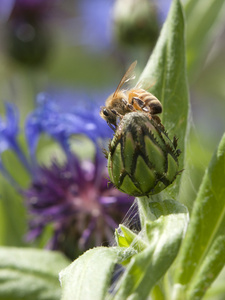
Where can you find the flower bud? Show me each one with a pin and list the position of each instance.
(136, 22)
(27, 43)
(142, 160)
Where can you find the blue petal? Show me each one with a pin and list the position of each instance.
(60, 123)
(9, 128)
(12, 119)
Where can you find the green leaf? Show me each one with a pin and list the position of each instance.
(202, 253)
(12, 215)
(30, 274)
(201, 18)
(167, 69)
(89, 276)
(208, 271)
(12, 209)
(217, 289)
(127, 238)
(164, 236)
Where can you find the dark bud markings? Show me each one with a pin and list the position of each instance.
(142, 160)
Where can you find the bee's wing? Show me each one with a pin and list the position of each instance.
(127, 76)
(143, 85)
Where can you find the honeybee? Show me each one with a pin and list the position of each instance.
(122, 102)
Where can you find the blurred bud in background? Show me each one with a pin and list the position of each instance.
(136, 22)
(26, 34)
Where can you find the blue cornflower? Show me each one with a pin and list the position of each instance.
(73, 197)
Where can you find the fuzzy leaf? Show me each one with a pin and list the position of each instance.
(89, 276)
(208, 271)
(167, 69)
(201, 18)
(164, 236)
(30, 274)
(217, 289)
(204, 243)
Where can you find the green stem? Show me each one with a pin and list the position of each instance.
(145, 212)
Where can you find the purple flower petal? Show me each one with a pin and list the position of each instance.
(79, 205)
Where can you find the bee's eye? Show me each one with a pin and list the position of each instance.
(105, 112)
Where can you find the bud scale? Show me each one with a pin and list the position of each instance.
(142, 160)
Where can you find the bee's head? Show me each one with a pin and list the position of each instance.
(109, 115)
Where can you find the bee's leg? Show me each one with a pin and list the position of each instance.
(124, 101)
(156, 119)
(116, 113)
(128, 105)
(112, 126)
(139, 104)
(138, 101)
(110, 116)
(155, 106)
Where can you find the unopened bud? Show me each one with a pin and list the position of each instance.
(142, 160)
(136, 22)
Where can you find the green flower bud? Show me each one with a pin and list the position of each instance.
(142, 160)
(136, 22)
(28, 43)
